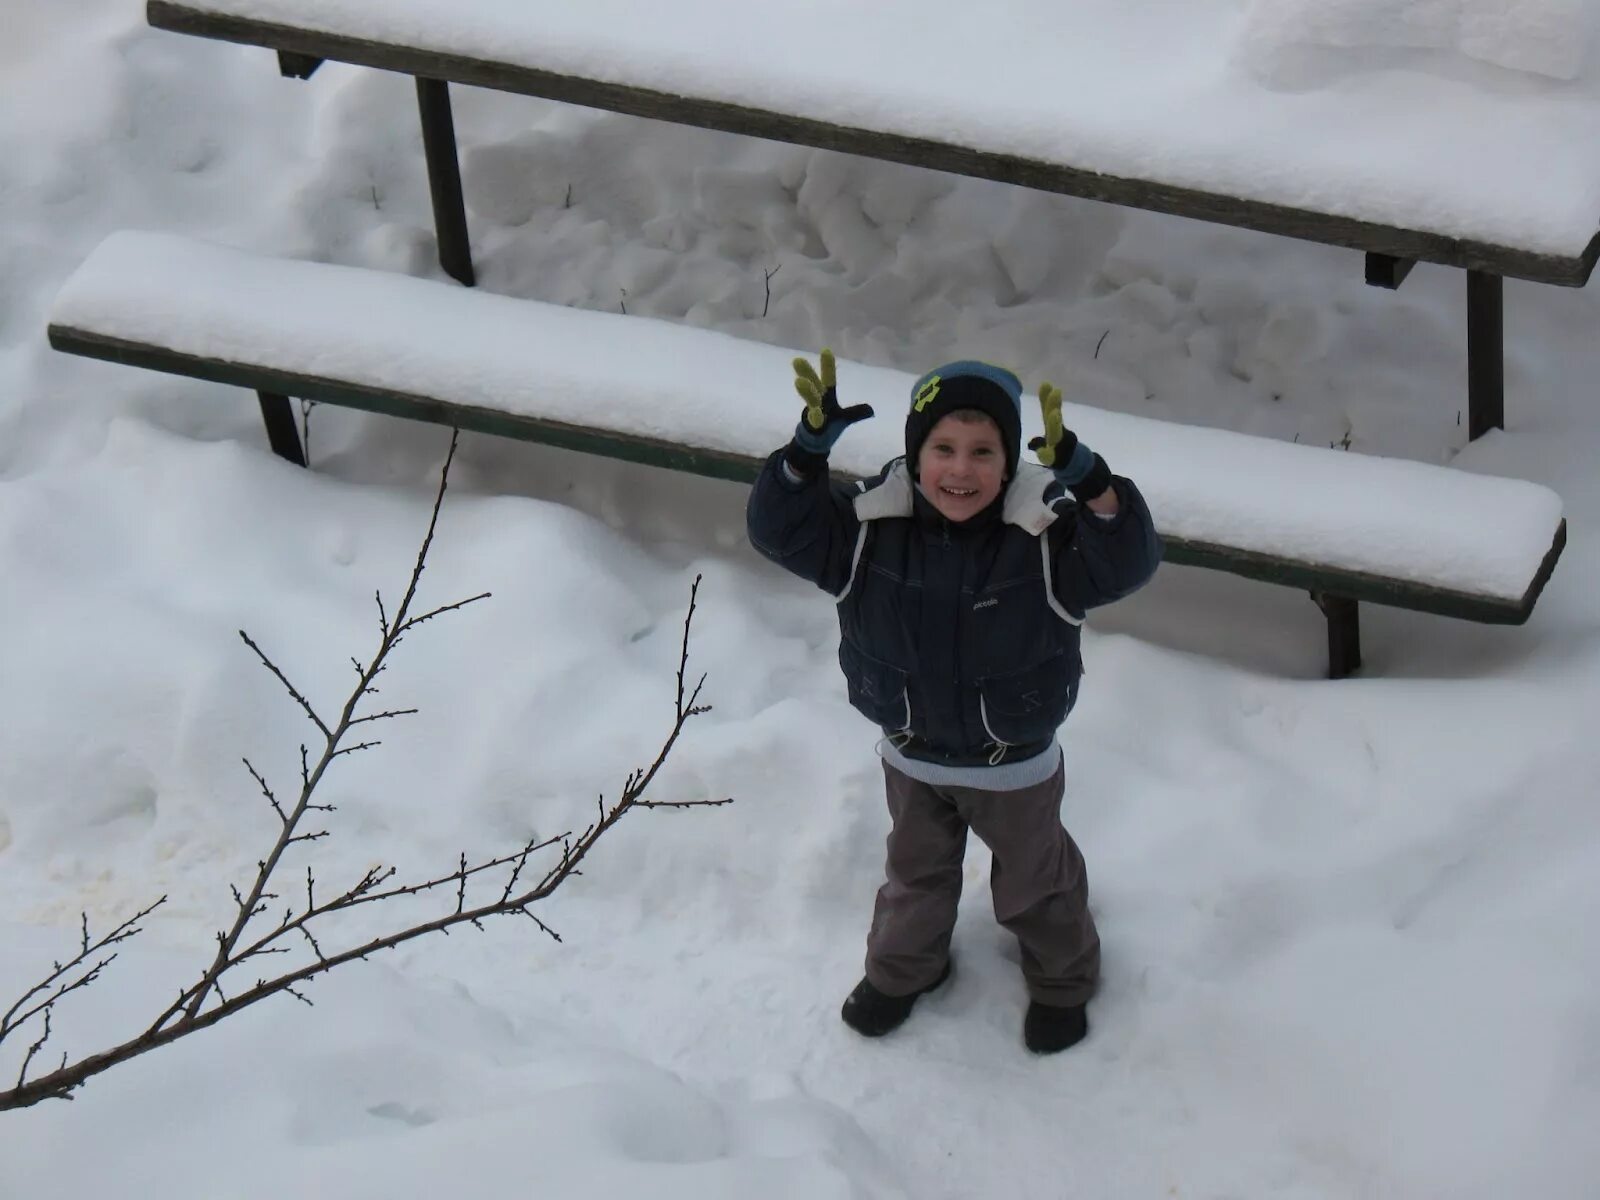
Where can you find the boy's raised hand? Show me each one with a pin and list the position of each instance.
(1083, 472)
(823, 420)
(1047, 447)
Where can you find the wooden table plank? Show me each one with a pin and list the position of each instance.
(1286, 221)
(1305, 575)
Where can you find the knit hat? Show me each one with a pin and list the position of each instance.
(968, 383)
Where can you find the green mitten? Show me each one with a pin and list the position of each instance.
(823, 420)
(1080, 470)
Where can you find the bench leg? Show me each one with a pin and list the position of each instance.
(444, 179)
(277, 412)
(1344, 634)
(1486, 363)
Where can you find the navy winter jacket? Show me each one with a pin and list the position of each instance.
(959, 640)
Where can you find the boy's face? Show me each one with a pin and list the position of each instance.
(962, 464)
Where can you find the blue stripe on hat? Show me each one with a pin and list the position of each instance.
(999, 376)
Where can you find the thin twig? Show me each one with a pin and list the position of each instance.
(767, 303)
(293, 691)
(428, 616)
(20, 1013)
(27, 1059)
(384, 716)
(266, 791)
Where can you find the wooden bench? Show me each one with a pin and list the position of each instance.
(1346, 528)
(1414, 183)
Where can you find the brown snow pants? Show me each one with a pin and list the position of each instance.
(1039, 885)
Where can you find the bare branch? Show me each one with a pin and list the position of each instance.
(193, 1008)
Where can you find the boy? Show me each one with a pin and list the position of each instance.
(961, 576)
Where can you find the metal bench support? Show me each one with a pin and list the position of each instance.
(1387, 271)
(1344, 634)
(297, 66)
(444, 179)
(1486, 355)
(282, 435)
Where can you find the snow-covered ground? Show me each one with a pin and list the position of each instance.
(1350, 947)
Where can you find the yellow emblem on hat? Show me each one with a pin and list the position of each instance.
(926, 393)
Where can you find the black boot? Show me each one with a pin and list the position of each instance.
(871, 1013)
(1048, 1028)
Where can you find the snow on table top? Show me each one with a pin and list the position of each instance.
(700, 388)
(1464, 118)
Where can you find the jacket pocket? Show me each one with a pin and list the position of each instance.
(877, 689)
(1027, 705)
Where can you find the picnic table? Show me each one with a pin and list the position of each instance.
(1112, 100)
(1414, 168)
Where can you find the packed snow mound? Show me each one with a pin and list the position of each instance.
(1293, 42)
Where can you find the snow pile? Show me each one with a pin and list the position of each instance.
(408, 1088)
(1281, 39)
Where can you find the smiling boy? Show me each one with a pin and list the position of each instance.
(961, 576)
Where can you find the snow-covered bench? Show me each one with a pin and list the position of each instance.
(1344, 527)
(1189, 108)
